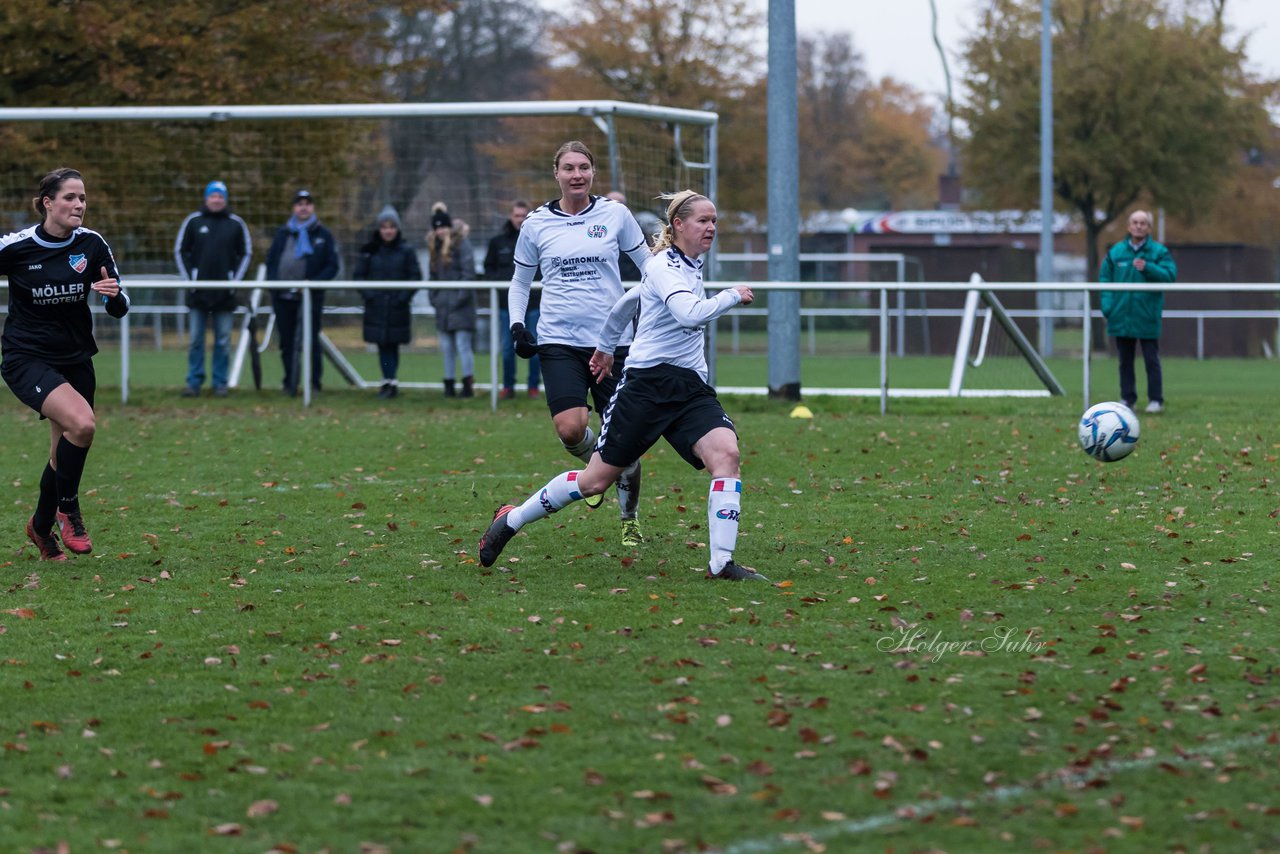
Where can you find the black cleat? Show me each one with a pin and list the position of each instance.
(733, 572)
(496, 538)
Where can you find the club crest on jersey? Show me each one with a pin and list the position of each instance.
(79, 263)
(597, 231)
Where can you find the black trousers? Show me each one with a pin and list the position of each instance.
(288, 324)
(1125, 348)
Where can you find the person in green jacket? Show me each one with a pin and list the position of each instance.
(1133, 317)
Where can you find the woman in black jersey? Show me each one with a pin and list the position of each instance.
(54, 269)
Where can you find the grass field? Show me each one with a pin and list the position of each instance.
(977, 638)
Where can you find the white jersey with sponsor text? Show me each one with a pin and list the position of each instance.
(674, 312)
(578, 256)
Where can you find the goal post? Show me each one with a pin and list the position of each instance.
(146, 167)
(985, 300)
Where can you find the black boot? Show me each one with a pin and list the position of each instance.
(468, 386)
(448, 389)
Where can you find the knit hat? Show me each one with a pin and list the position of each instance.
(440, 217)
(302, 194)
(388, 214)
(215, 187)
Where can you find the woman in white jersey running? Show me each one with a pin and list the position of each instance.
(663, 392)
(576, 240)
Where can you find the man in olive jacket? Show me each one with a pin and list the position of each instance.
(1133, 317)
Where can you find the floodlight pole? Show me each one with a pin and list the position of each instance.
(784, 203)
(1043, 298)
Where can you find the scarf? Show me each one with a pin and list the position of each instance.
(302, 239)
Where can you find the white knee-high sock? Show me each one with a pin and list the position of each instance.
(583, 449)
(561, 491)
(724, 504)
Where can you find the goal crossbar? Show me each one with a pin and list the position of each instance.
(444, 109)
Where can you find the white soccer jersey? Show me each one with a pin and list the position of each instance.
(674, 311)
(579, 259)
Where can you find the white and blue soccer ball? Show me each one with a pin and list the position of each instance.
(1108, 431)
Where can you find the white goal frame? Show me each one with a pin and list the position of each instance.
(693, 139)
(995, 310)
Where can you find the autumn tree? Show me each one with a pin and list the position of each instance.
(1148, 105)
(117, 53)
(864, 144)
(476, 50)
(695, 54)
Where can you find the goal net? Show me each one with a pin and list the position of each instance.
(994, 356)
(145, 170)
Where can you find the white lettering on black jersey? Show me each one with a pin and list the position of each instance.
(49, 291)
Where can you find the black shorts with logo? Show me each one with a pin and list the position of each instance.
(31, 379)
(662, 402)
(567, 380)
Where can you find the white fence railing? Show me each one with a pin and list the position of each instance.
(886, 296)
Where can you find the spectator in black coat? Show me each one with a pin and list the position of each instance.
(388, 317)
(303, 249)
(213, 245)
(499, 266)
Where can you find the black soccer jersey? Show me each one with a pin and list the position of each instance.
(49, 293)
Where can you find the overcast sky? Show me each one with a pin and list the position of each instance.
(896, 37)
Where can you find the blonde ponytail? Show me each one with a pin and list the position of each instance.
(678, 207)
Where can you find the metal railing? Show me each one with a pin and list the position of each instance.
(884, 311)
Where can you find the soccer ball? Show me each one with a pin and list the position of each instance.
(1108, 431)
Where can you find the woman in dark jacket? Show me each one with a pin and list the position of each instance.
(452, 260)
(387, 316)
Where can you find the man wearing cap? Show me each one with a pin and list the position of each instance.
(213, 245)
(303, 249)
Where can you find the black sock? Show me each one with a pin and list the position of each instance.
(47, 503)
(70, 467)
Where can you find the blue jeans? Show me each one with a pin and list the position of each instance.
(222, 321)
(456, 347)
(509, 350)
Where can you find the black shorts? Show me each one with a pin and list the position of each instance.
(31, 380)
(567, 380)
(662, 402)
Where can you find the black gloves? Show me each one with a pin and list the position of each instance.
(525, 344)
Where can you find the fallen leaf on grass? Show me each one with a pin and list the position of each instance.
(651, 819)
(257, 809)
(717, 786)
(229, 829)
(22, 613)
